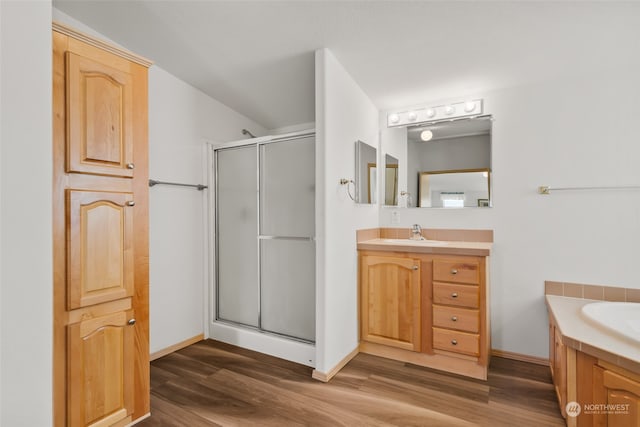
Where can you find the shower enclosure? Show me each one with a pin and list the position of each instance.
(265, 236)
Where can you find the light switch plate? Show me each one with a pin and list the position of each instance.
(395, 217)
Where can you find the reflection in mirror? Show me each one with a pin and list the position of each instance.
(366, 186)
(448, 147)
(390, 180)
(455, 189)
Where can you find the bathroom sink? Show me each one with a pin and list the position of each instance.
(412, 242)
(620, 317)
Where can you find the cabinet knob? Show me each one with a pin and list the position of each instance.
(454, 318)
(415, 267)
(454, 342)
(454, 295)
(130, 166)
(131, 322)
(454, 271)
(131, 203)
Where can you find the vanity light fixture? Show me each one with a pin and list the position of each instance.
(426, 135)
(455, 110)
(469, 106)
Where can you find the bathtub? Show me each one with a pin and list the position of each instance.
(622, 318)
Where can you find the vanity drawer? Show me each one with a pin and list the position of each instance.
(465, 270)
(462, 319)
(459, 295)
(458, 342)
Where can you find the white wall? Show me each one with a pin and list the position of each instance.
(181, 120)
(578, 131)
(344, 114)
(26, 271)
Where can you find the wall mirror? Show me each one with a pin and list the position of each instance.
(390, 180)
(445, 164)
(366, 179)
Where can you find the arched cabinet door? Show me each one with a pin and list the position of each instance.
(390, 298)
(99, 115)
(100, 247)
(100, 369)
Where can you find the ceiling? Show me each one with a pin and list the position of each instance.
(257, 56)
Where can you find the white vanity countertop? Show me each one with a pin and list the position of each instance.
(580, 333)
(427, 246)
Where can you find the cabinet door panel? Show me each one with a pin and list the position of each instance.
(391, 301)
(99, 118)
(100, 370)
(614, 389)
(100, 253)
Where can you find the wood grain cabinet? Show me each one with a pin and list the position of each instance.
(390, 304)
(456, 305)
(100, 223)
(426, 309)
(605, 393)
(100, 114)
(562, 364)
(100, 367)
(621, 394)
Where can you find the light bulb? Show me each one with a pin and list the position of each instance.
(412, 116)
(469, 106)
(431, 112)
(394, 118)
(426, 135)
(449, 110)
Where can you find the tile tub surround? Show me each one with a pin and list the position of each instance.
(579, 333)
(592, 292)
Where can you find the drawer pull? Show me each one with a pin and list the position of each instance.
(454, 271)
(415, 267)
(454, 342)
(454, 295)
(454, 318)
(131, 203)
(130, 166)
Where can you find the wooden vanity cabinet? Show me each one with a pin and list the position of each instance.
(390, 307)
(426, 309)
(100, 226)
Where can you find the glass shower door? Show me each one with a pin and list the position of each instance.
(238, 292)
(287, 237)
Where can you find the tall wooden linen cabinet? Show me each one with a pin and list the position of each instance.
(100, 223)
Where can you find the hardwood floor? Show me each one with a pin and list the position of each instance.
(215, 384)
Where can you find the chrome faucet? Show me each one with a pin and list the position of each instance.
(416, 232)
